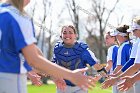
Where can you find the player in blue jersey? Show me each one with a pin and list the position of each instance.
(131, 67)
(112, 52)
(112, 45)
(123, 51)
(16, 38)
(73, 54)
(125, 46)
(111, 56)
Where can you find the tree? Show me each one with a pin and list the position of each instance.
(102, 15)
(73, 12)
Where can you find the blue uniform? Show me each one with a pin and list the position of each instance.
(124, 52)
(112, 55)
(16, 32)
(74, 57)
(132, 56)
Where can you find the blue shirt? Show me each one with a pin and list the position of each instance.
(74, 57)
(132, 56)
(16, 32)
(112, 55)
(124, 53)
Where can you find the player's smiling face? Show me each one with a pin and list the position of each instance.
(68, 36)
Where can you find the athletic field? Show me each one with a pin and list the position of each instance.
(50, 88)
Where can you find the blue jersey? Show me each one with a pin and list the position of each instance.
(132, 56)
(124, 53)
(112, 55)
(74, 57)
(16, 32)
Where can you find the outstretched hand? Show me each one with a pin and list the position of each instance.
(82, 80)
(60, 83)
(127, 82)
(35, 78)
(109, 82)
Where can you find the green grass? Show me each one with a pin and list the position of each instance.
(51, 89)
(42, 89)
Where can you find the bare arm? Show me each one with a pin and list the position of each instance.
(34, 59)
(117, 69)
(108, 65)
(132, 70)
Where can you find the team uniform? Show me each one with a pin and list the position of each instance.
(112, 55)
(132, 56)
(72, 58)
(123, 55)
(130, 62)
(16, 32)
(124, 52)
(137, 60)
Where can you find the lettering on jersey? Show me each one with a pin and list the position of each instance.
(66, 53)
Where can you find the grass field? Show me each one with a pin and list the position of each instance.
(51, 89)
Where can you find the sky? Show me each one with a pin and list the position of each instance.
(127, 8)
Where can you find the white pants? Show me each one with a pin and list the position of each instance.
(114, 89)
(131, 90)
(137, 87)
(13, 83)
(70, 89)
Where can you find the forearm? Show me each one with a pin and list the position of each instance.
(101, 70)
(50, 68)
(40, 63)
(97, 66)
(118, 73)
(39, 52)
(132, 70)
(108, 66)
(136, 77)
(117, 69)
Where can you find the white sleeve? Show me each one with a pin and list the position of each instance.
(92, 55)
(109, 53)
(137, 59)
(134, 49)
(119, 55)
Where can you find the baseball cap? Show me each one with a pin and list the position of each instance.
(116, 32)
(133, 27)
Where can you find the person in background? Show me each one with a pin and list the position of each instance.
(132, 67)
(17, 37)
(112, 45)
(111, 56)
(132, 74)
(73, 54)
(123, 52)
